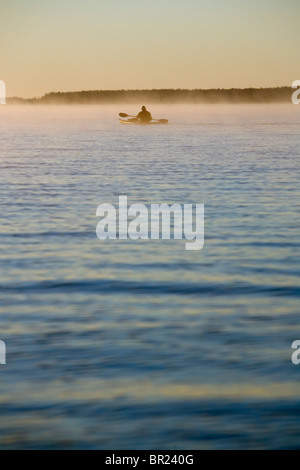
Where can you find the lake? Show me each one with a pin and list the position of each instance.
(123, 344)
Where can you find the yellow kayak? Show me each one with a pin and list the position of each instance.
(136, 122)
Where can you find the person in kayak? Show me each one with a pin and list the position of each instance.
(144, 115)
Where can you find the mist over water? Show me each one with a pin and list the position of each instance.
(123, 344)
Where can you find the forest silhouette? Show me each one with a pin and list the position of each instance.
(164, 96)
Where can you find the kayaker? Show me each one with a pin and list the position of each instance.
(144, 115)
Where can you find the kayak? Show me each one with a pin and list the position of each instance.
(136, 122)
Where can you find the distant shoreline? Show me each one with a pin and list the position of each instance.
(164, 96)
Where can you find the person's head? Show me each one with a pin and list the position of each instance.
(143, 108)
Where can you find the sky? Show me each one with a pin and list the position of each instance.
(73, 45)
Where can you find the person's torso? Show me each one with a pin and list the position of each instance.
(145, 116)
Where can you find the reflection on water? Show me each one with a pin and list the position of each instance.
(123, 344)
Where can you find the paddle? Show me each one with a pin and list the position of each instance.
(123, 115)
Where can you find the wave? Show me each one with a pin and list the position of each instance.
(105, 286)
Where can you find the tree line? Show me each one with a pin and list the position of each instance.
(164, 96)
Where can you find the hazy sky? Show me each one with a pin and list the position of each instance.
(67, 45)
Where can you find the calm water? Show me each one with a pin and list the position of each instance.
(143, 345)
